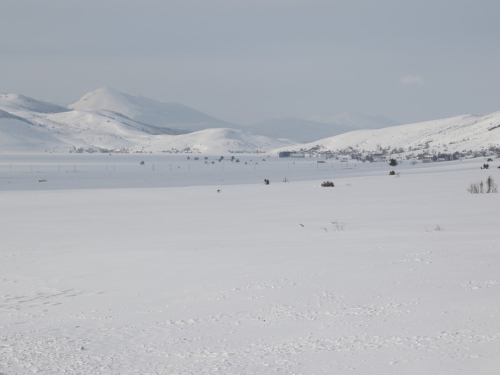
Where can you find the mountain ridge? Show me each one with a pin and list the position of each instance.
(149, 111)
(47, 126)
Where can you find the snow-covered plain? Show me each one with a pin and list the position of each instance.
(142, 271)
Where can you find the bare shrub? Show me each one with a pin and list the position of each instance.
(338, 226)
(473, 188)
(481, 187)
(327, 184)
(439, 228)
(491, 186)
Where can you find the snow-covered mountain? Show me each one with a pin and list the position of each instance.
(297, 129)
(28, 125)
(356, 120)
(149, 111)
(108, 131)
(466, 132)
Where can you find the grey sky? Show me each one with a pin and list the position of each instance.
(248, 60)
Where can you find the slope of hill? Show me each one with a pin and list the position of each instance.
(19, 103)
(149, 111)
(297, 129)
(30, 125)
(356, 120)
(7, 115)
(215, 141)
(456, 133)
(61, 132)
(20, 135)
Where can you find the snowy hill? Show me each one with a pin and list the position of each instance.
(29, 125)
(178, 116)
(20, 135)
(297, 129)
(34, 126)
(356, 120)
(63, 131)
(19, 103)
(149, 111)
(216, 141)
(456, 133)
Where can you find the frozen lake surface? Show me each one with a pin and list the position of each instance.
(111, 267)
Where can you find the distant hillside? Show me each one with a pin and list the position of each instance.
(219, 140)
(30, 125)
(148, 111)
(466, 132)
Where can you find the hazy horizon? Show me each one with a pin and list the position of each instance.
(249, 61)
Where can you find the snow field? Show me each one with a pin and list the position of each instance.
(98, 171)
(287, 278)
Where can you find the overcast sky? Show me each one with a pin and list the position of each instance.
(248, 60)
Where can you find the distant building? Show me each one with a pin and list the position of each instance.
(284, 154)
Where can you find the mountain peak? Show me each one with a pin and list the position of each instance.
(98, 98)
(146, 110)
(106, 90)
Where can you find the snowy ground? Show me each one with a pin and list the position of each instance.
(170, 277)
